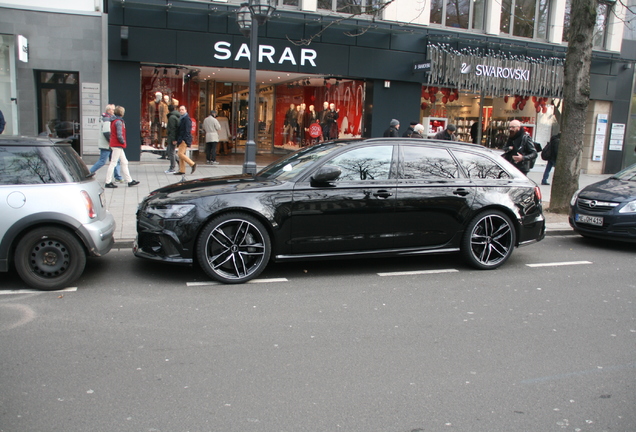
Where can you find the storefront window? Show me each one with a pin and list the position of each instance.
(336, 107)
(161, 87)
(485, 120)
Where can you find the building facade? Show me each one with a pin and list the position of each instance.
(476, 64)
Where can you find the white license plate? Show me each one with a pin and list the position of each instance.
(592, 220)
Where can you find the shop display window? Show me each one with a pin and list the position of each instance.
(302, 119)
(161, 87)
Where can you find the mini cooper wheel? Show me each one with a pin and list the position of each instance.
(49, 258)
(233, 248)
(489, 240)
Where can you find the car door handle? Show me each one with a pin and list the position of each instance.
(382, 193)
(461, 191)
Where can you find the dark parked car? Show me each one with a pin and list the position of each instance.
(607, 209)
(340, 199)
(53, 213)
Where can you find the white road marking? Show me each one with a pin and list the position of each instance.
(31, 291)
(418, 272)
(557, 264)
(253, 281)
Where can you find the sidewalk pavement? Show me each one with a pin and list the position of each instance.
(122, 202)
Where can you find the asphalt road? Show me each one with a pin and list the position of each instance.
(350, 345)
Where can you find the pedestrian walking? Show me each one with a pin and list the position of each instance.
(447, 134)
(519, 149)
(118, 144)
(392, 131)
(418, 131)
(184, 138)
(549, 153)
(103, 143)
(171, 137)
(409, 130)
(211, 126)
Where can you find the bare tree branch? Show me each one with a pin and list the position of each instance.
(376, 9)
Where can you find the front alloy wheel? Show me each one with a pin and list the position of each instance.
(489, 240)
(233, 248)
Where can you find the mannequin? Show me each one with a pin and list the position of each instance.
(333, 121)
(300, 131)
(322, 117)
(153, 119)
(291, 122)
(224, 133)
(309, 118)
(163, 117)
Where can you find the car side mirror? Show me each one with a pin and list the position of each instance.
(326, 174)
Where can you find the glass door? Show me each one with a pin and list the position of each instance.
(58, 105)
(8, 98)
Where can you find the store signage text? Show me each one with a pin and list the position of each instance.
(502, 72)
(223, 51)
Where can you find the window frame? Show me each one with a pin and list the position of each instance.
(471, 16)
(536, 19)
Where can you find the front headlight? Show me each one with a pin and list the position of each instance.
(630, 207)
(169, 211)
(574, 197)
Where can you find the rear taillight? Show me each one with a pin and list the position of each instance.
(90, 208)
(537, 192)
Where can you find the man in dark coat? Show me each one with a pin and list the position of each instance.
(184, 141)
(392, 131)
(554, 143)
(447, 134)
(409, 130)
(171, 137)
(519, 149)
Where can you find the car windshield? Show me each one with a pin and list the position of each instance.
(292, 165)
(628, 173)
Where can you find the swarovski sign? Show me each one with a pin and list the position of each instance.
(494, 73)
(502, 72)
(223, 51)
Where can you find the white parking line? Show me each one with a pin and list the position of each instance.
(253, 281)
(31, 291)
(418, 272)
(557, 264)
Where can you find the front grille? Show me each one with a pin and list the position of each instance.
(595, 205)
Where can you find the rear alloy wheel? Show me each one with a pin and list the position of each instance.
(49, 258)
(234, 248)
(489, 240)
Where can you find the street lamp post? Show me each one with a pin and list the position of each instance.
(249, 17)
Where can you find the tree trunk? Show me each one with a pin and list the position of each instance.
(576, 98)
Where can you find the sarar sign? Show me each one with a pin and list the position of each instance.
(266, 53)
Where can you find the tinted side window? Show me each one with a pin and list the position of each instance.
(40, 165)
(480, 167)
(428, 163)
(366, 163)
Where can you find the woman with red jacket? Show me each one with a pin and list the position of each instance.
(118, 144)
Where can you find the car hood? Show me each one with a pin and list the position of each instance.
(214, 186)
(610, 189)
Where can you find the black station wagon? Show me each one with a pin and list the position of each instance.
(375, 197)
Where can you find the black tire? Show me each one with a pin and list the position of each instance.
(489, 240)
(49, 258)
(233, 248)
